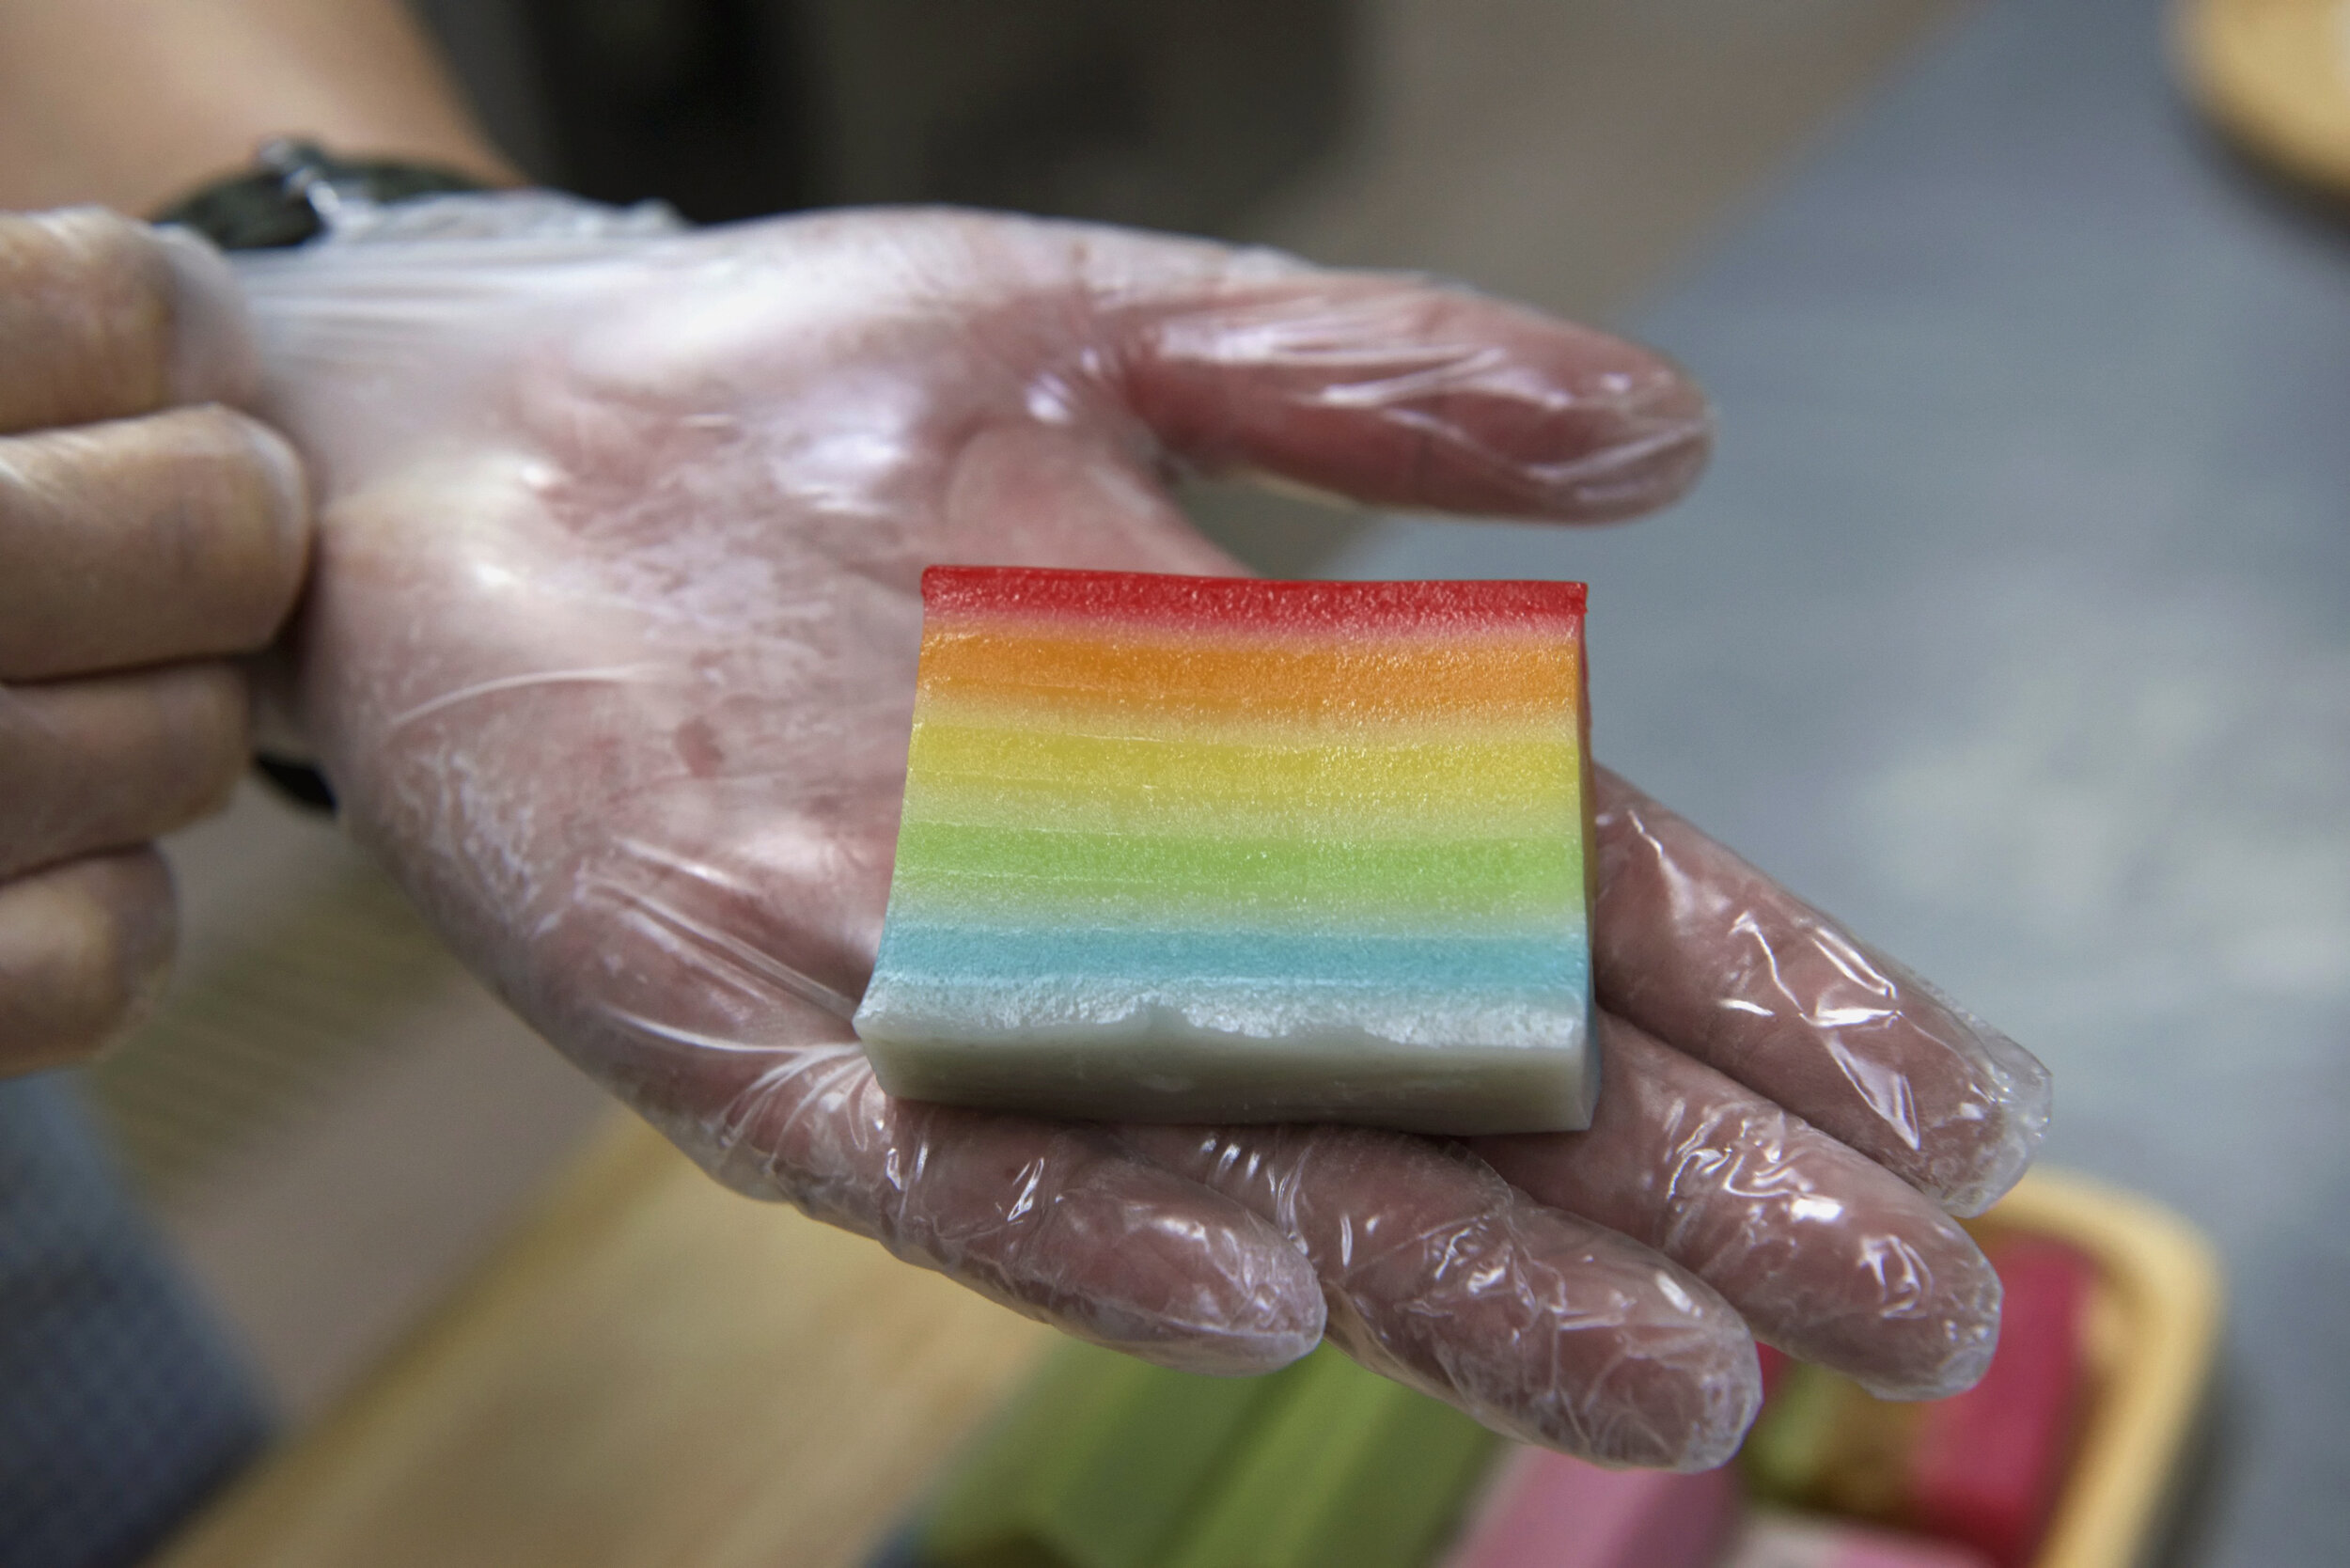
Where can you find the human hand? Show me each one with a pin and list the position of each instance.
(610, 656)
(147, 534)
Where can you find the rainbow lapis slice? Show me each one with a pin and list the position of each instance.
(1200, 849)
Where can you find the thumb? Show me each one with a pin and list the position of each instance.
(1397, 392)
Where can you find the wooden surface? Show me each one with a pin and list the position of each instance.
(656, 1372)
(2274, 74)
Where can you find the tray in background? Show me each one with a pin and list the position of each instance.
(2153, 1331)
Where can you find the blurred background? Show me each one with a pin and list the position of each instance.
(2012, 625)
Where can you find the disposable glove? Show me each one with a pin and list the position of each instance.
(147, 533)
(609, 652)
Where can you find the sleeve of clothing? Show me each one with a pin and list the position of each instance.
(122, 1405)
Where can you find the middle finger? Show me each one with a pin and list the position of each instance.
(1706, 953)
(98, 765)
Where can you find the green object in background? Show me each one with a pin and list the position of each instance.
(1345, 1468)
(1097, 1463)
(1105, 1462)
(1822, 1443)
(1787, 1453)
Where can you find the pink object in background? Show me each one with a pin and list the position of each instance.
(1986, 1466)
(1776, 1540)
(1548, 1511)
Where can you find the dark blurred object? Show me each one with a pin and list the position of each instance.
(695, 101)
(286, 196)
(1160, 112)
(122, 1405)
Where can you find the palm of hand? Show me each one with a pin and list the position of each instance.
(610, 652)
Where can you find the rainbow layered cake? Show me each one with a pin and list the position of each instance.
(1185, 848)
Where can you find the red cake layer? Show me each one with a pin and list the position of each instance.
(1227, 604)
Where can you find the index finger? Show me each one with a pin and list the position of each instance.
(1713, 956)
(101, 317)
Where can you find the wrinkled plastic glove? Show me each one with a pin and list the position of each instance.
(610, 653)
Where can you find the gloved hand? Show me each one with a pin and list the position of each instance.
(610, 655)
(138, 550)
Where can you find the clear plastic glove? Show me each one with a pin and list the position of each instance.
(610, 655)
(138, 549)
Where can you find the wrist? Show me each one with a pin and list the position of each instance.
(292, 194)
(126, 102)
